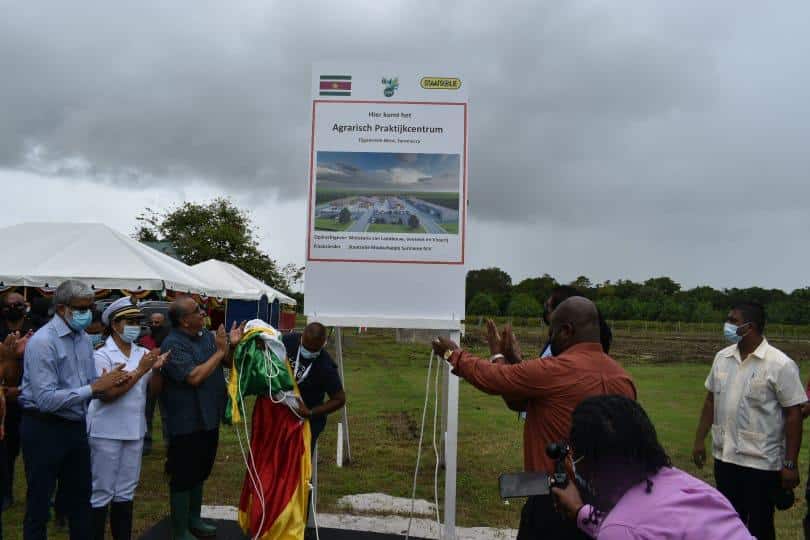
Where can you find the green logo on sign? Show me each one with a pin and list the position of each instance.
(390, 86)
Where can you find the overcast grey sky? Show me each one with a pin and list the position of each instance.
(611, 139)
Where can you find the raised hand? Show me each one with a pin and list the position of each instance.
(236, 332)
(511, 346)
(148, 361)
(8, 347)
(493, 339)
(161, 360)
(221, 339)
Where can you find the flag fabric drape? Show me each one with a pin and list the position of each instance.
(275, 492)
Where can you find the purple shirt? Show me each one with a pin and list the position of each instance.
(679, 506)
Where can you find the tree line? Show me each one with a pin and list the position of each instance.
(490, 291)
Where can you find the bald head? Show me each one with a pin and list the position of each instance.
(314, 336)
(186, 315)
(576, 320)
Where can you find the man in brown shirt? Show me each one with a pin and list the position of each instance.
(551, 387)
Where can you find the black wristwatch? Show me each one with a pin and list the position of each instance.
(789, 465)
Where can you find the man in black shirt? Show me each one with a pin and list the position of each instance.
(13, 319)
(316, 375)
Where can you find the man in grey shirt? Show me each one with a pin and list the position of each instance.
(194, 400)
(58, 382)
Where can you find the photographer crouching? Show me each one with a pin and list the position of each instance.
(633, 489)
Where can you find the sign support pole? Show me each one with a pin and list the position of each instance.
(451, 447)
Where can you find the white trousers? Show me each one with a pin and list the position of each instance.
(116, 470)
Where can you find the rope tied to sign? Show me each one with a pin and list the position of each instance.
(435, 446)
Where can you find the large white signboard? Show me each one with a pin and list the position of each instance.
(387, 196)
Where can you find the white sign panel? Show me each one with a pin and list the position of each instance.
(387, 194)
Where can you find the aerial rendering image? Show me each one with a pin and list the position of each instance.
(387, 192)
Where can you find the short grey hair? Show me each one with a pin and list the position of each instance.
(71, 290)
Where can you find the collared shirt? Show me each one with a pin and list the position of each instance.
(749, 395)
(679, 507)
(59, 369)
(553, 386)
(546, 354)
(191, 408)
(122, 419)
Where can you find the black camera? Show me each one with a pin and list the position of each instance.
(527, 484)
(559, 452)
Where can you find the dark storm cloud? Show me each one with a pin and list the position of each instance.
(653, 123)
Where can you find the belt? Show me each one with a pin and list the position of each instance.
(49, 418)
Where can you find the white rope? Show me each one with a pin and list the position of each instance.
(435, 447)
(436, 451)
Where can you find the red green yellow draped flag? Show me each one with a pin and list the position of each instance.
(275, 492)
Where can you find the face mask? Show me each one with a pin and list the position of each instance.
(14, 314)
(130, 333)
(79, 320)
(309, 355)
(730, 332)
(96, 339)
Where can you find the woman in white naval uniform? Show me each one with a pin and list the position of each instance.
(116, 425)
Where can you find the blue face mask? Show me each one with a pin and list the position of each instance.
(130, 333)
(79, 320)
(309, 355)
(730, 332)
(96, 339)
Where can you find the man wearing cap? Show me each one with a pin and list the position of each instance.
(116, 424)
(194, 400)
(58, 384)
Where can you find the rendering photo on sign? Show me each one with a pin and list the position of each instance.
(381, 192)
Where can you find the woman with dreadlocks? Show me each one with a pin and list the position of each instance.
(633, 491)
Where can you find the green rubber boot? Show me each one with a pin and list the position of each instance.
(198, 526)
(179, 504)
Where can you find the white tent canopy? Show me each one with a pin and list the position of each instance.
(45, 254)
(240, 284)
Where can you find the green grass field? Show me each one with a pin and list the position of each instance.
(391, 228)
(327, 224)
(385, 384)
(451, 228)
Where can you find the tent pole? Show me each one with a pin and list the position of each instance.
(344, 413)
(451, 448)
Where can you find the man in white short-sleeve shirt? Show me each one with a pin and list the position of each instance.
(753, 408)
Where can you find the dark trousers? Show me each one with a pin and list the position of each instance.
(190, 458)
(153, 402)
(3, 482)
(12, 442)
(539, 521)
(750, 492)
(56, 450)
